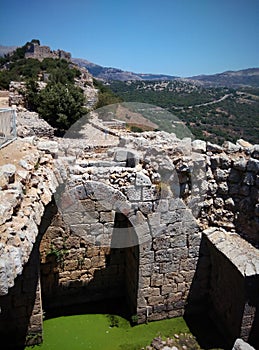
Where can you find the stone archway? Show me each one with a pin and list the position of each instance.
(91, 262)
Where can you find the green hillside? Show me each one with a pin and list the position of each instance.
(213, 114)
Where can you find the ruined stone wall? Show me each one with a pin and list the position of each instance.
(232, 200)
(26, 187)
(155, 193)
(21, 309)
(40, 52)
(233, 272)
(75, 271)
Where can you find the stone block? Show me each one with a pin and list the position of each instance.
(133, 193)
(161, 243)
(150, 194)
(144, 282)
(149, 292)
(90, 217)
(48, 146)
(145, 270)
(88, 205)
(163, 255)
(240, 344)
(154, 219)
(160, 308)
(107, 216)
(178, 241)
(199, 146)
(154, 300)
(166, 289)
(223, 188)
(70, 265)
(157, 280)
(143, 180)
(96, 229)
(176, 203)
(165, 267)
(213, 148)
(121, 155)
(162, 206)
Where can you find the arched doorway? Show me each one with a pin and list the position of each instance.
(78, 277)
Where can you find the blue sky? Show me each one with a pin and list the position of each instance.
(176, 37)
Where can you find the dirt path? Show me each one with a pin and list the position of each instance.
(4, 99)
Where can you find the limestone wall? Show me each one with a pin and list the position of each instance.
(127, 222)
(26, 186)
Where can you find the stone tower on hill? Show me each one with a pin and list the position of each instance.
(35, 50)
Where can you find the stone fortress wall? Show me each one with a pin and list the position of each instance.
(34, 50)
(190, 209)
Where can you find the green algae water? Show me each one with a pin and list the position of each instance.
(104, 332)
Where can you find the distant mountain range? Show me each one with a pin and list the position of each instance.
(4, 50)
(245, 77)
(109, 73)
(235, 79)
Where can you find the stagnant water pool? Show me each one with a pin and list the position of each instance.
(104, 332)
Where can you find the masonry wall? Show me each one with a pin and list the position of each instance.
(153, 272)
(21, 308)
(75, 271)
(235, 314)
(149, 198)
(226, 280)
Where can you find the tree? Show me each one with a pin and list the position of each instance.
(105, 96)
(32, 95)
(61, 105)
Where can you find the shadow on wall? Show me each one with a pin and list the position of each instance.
(17, 306)
(198, 310)
(252, 296)
(112, 286)
(222, 304)
(23, 301)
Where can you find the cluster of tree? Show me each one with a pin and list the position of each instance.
(105, 96)
(23, 69)
(173, 93)
(232, 118)
(60, 103)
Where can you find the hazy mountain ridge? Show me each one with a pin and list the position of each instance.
(4, 50)
(110, 73)
(245, 77)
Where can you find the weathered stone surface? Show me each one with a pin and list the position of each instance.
(230, 147)
(142, 180)
(242, 254)
(242, 345)
(199, 146)
(147, 203)
(48, 146)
